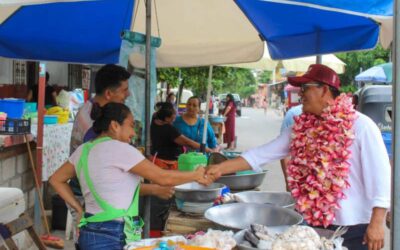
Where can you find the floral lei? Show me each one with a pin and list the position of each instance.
(318, 170)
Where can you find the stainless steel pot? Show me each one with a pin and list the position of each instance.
(281, 199)
(243, 181)
(237, 216)
(194, 192)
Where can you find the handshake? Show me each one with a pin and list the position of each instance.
(207, 175)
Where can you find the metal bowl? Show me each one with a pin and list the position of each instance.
(243, 181)
(194, 192)
(237, 216)
(281, 199)
(216, 119)
(193, 207)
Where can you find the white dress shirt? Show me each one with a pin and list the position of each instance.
(369, 175)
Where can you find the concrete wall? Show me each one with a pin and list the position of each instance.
(6, 71)
(15, 172)
(58, 73)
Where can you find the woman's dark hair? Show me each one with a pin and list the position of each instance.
(195, 98)
(103, 116)
(165, 110)
(231, 99)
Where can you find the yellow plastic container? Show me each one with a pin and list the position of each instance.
(63, 114)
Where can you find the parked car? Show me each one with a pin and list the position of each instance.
(222, 101)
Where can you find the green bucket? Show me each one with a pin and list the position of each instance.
(190, 161)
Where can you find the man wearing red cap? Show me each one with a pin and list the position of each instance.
(339, 170)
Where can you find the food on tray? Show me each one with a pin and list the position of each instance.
(221, 240)
(297, 238)
(294, 238)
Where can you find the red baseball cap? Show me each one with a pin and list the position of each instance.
(317, 73)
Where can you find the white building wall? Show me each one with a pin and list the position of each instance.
(6, 71)
(58, 73)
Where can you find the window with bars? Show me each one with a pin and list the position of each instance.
(19, 72)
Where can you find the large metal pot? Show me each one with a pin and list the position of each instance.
(247, 181)
(281, 199)
(237, 216)
(194, 192)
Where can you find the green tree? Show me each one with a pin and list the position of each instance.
(225, 79)
(265, 76)
(357, 61)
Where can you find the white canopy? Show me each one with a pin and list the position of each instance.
(297, 65)
(213, 32)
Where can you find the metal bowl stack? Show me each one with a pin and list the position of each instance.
(281, 199)
(243, 181)
(195, 198)
(238, 216)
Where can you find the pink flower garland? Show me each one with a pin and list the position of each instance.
(319, 168)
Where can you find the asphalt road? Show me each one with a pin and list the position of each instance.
(255, 128)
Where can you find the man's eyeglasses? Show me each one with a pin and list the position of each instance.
(305, 86)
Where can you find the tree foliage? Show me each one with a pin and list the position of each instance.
(224, 80)
(265, 76)
(360, 61)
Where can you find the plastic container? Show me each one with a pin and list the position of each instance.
(190, 161)
(50, 119)
(63, 114)
(30, 107)
(3, 118)
(387, 139)
(15, 126)
(13, 107)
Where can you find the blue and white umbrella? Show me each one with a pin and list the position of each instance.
(196, 32)
(380, 74)
(296, 28)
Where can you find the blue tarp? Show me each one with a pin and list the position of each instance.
(300, 28)
(89, 32)
(81, 32)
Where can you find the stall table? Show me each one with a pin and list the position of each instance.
(182, 223)
(56, 142)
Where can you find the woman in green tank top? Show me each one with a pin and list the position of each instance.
(109, 171)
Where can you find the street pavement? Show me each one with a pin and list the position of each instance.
(255, 128)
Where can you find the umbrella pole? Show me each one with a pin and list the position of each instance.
(147, 200)
(204, 140)
(395, 209)
(318, 59)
